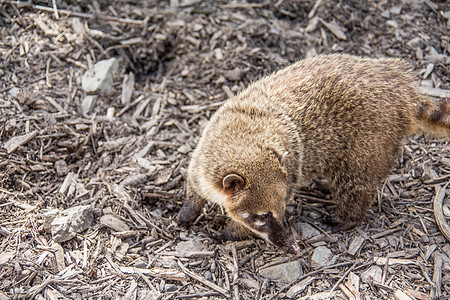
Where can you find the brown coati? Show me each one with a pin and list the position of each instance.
(335, 117)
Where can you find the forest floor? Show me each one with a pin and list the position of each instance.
(123, 153)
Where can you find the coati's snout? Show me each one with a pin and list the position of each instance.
(271, 227)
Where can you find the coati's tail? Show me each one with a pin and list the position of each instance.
(434, 117)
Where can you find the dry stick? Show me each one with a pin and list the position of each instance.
(21, 4)
(206, 282)
(340, 280)
(437, 277)
(385, 269)
(438, 214)
(235, 272)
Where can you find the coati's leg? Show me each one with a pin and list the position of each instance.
(235, 232)
(354, 198)
(191, 209)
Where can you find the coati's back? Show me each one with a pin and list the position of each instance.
(336, 117)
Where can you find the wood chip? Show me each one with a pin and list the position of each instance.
(355, 245)
(12, 144)
(399, 295)
(381, 261)
(171, 274)
(335, 29)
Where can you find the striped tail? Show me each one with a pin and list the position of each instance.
(433, 117)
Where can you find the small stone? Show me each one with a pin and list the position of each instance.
(157, 212)
(311, 53)
(307, 231)
(321, 256)
(61, 168)
(386, 14)
(233, 75)
(170, 288)
(373, 274)
(218, 53)
(197, 27)
(249, 283)
(49, 216)
(396, 10)
(286, 272)
(189, 246)
(113, 222)
(434, 57)
(392, 23)
(14, 92)
(87, 105)
(70, 222)
(185, 149)
(415, 42)
(101, 78)
(140, 263)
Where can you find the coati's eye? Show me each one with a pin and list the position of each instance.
(264, 215)
(262, 218)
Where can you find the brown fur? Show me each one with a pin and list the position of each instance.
(335, 117)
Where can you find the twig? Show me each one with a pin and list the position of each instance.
(385, 269)
(438, 214)
(206, 282)
(437, 277)
(340, 280)
(235, 272)
(21, 4)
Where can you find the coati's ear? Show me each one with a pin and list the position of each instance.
(282, 158)
(233, 182)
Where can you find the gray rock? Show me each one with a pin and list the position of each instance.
(101, 78)
(321, 256)
(184, 149)
(87, 105)
(373, 274)
(49, 216)
(286, 272)
(307, 231)
(70, 222)
(434, 57)
(14, 92)
(189, 246)
(61, 167)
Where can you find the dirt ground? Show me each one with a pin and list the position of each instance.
(126, 153)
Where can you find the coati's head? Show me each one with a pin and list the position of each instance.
(256, 198)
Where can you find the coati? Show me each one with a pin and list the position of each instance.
(340, 118)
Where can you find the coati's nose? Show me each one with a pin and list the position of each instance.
(293, 247)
